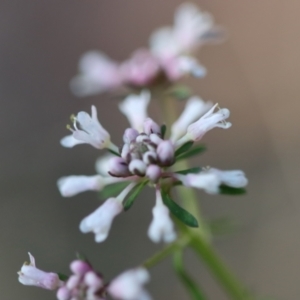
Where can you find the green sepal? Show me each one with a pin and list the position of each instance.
(114, 152)
(185, 278)
(163, 130)
(192, 152)
(228, 190)
(188, 171)
(62, 276)
(179, 212)
(113, 190)
(129, 200)
(185, 147)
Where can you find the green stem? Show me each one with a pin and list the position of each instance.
(228, 281)
(181, 242)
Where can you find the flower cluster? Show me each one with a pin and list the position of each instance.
(168, 58)
(87, 284)
(145, 158)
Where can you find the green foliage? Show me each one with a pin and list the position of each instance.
(185, 147)
(185, 278)
(112, 190)
(114, 152)
(163, 130)
(188, 171)
(179, 212)
(227, 190)
(192, 152)
(129, 200)
(62, 276)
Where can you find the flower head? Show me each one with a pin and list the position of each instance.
(31, 275)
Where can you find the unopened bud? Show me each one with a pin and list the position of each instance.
(142, 138)
(130, 135)
(92, 280)
(79, 267)
(156, 139)
(118, 167)
(165, 153)
(149, 157)
(137, 167)
(63, 293)
(151, 127)
(153, 173)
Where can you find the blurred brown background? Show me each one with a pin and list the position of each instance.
(255, 73)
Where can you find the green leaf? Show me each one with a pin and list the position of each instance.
(163, 130)
(62, 276)
(129, 200)
(228, 190)
(192, 152)
(180, 213)
(113, 190)
(185, 147)
(185, 278)
(188, 171)
(114, 152)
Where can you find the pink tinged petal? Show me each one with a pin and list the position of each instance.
(140, 69)
(153, 172)
(134, 107)
(151, 127)
(130, 135)
(137, 167)
(161, 227)
(129, 285)
(118, 167)
(80, 267)
(72, 185)
(93, 281)
(73, 282)
(207, 122)
(102, 164)
(98, 73)
(194, 109)
(101, 219)
(69, 141)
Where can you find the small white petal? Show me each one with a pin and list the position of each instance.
(69, 141)
(102, 164)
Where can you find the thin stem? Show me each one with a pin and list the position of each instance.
(181, 242)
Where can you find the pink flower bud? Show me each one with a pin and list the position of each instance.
(165, 153)
(156, 139)
(137, 167)
(130, 135)
(149, 157)
(63, 293)
(118, 167)
(153, 172)
(151, 127)
(80, 267)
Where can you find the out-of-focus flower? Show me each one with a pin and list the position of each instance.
(134, 107)
(129, 285)
(31, 275)
(97, 73)
(161, 227)
(140, 69)
(194, 109)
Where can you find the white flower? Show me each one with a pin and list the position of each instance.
(233, 178)
(194, 109)
(161, 227)
(210, 120)
(101, 219)
(134, 107)
(91, 131)
(72, 185)
(69, 141)
(98, 73)
(207, 181)
(129, 285)
(31, 275)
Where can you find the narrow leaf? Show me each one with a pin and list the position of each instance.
(62, 276)
(129, 200)
(188, 171)
(185, 147)
(163, 130)
(192, 152)
(114, 152)
(179, 212)
(227, 190)
(114, 189)
(185, 278)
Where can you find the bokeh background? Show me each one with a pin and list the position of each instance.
(255, 73)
